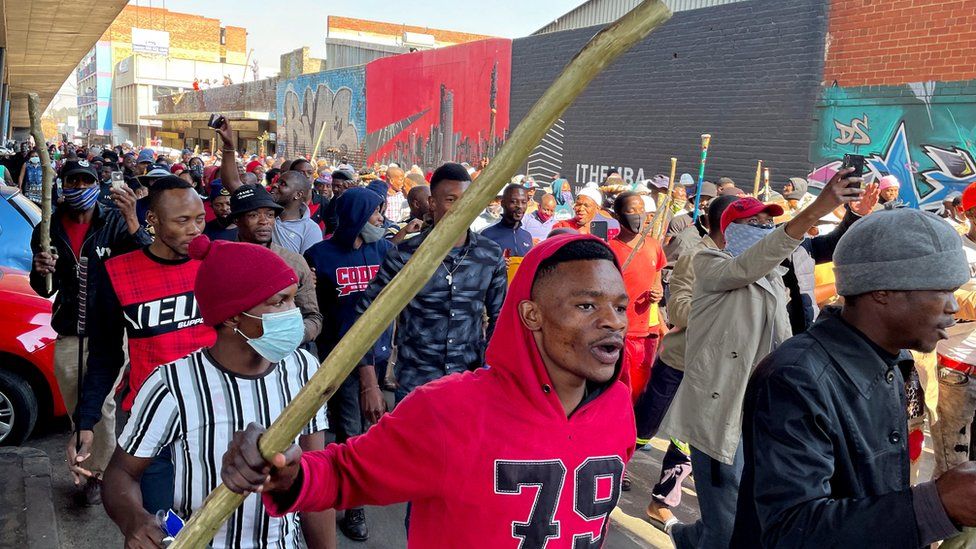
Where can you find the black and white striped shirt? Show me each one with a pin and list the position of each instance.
(197, 406)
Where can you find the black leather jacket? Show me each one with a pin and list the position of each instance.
(825, 444)
(108, 236)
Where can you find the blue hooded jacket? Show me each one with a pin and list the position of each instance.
(343, 271)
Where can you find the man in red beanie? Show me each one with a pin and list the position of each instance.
(528, 452)
(195, 404)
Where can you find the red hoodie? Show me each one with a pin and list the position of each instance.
(487, 458)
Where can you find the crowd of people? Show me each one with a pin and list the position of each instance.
(560, 334)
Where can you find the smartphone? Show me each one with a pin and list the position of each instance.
(599, 229)
(855, 161)
(118, 181)
(216, 121)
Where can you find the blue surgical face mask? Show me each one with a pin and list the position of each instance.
(80, 199)
(739, 237)
(283, 333)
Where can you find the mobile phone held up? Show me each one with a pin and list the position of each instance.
(118, 181)
(600, 229)
(855, 161)
(216, 121)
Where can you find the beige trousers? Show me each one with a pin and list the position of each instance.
(66, 372)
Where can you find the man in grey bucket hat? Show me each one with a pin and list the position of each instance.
(825, 425)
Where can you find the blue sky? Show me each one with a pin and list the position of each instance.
(278, 27)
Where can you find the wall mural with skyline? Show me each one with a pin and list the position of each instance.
(453, 106)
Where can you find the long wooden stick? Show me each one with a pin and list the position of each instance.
(661, 216)
(602, 50)
(47, 180)
(755, 185)
(318, 141)
(654, 227)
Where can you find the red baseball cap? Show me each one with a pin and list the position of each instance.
(969, 198)
(748, 207)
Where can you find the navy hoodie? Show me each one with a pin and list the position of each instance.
(342, 271)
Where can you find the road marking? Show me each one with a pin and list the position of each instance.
(640, 530)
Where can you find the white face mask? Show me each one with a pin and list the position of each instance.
(371, 233)
(35, 160)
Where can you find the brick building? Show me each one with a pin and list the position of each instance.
(148, 53)
(899, 86)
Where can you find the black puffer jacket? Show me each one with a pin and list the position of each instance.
(107, 236)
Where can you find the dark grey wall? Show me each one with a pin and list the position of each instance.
(747, 73)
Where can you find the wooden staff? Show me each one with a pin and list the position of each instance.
(600, 52)
(664, 205)
(755, 186)
(655, 227)
(766, 184)
(318, 141)
(47, 180)
(706, 139)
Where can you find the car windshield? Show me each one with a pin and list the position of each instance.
(30, 211)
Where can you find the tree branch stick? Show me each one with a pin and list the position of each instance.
(47, 174)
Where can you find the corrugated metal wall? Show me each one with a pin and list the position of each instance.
(348, 53)
(601, 12)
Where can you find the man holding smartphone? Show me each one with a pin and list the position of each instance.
(83, 230)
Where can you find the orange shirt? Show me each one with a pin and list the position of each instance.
(643, 274)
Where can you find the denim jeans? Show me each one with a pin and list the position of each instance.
(717, 485)
(157, 483)
(345, 414)
(656, 398)
(650, 408)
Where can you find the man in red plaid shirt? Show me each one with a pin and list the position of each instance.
(146, 295)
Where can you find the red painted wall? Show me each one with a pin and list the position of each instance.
(891, 42)
(402, 87)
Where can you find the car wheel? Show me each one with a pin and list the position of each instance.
(18, 409)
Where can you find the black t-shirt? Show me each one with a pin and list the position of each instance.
(216, 231)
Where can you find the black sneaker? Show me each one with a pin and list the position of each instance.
(353, 525)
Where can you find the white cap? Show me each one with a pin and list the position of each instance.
(686, 179)
(593, 194)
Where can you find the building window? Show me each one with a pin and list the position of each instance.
(223, 36)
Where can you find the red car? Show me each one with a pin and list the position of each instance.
(28, 388)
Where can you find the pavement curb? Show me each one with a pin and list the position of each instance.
(38, 504)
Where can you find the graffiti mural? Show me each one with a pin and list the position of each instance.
(328, 108)
(435, 106)
(923, 133)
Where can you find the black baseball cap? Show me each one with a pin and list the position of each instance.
(75, 167)
(248, 198)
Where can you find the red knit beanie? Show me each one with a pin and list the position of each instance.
(235, 276)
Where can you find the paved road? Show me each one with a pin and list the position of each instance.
(84, 528)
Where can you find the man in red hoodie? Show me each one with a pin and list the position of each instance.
(527, 451)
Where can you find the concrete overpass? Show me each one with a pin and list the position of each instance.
(41, 44)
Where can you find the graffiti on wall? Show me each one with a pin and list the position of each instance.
(924, 134)
(450, 105)
(327, 108)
